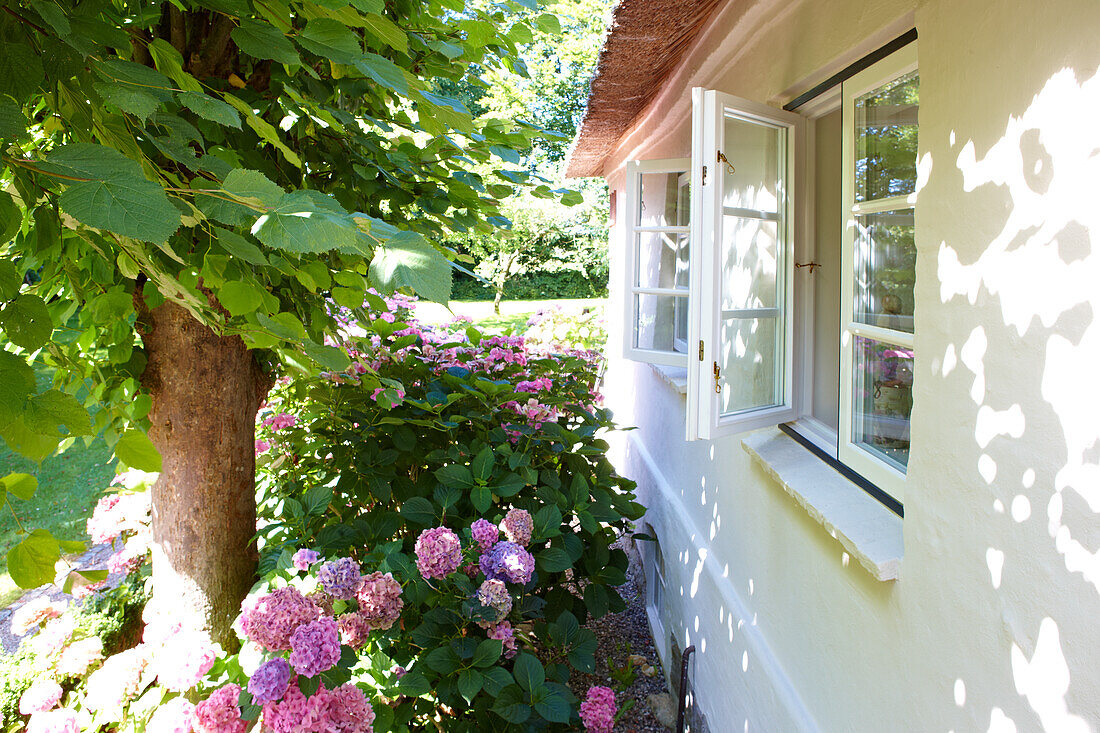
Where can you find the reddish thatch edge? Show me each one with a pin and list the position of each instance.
(645, 41)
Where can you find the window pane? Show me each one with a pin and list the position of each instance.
(749, 262)
(663, 199)
(749, 359)
(752, 175)
(658, 320)
(662, 260)
(886, 139)
(883, 398)
(885, 262)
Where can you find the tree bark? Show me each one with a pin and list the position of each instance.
(206, 390)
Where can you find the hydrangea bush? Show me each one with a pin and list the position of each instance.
(563, 328)
(465, 477)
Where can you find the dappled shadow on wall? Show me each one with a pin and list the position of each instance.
(1036, 397)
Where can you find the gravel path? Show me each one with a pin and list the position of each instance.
(621, 635)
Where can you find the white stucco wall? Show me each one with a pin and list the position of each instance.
(993, 624)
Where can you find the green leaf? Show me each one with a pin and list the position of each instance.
(27, 442)
(10, 281)
(209, 108)
(53, 15)
(117, 196)
(136, 450)
(329, 357)
(238, 246)
(469, 683)
(20, 70)
(253, 187)
(13, 123)
(418, 510)
(11, 218)
(384, 73)
(554, 706)
(22, 485)
(553, 560)
(307, 221)
(455, 475)
(386, 31)
(130, 99)
(487, 652)
(442, 660)
(572, 198)
(529, 672)
(596, 599)
(407, 260)
(317, 499)
(263, 41)
(169, 61)
(583, 654)
(26, 321)
(330, 39)
(547, 522)
(47, 411)
(482, 465)
(31, 562)
(414, 684)
(548, 23)
(240, 297)
(482, 498)
(496, 679)
(283, 325)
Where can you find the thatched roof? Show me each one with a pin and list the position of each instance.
(646, 40)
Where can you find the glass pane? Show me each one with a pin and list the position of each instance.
(664, 199)
(657, 319)
(886, 139)
(751, 353)
(752, 175)
(883, 399)
(885, 261)
(662, 260)
(749, 262)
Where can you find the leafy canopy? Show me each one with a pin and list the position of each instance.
(248, 160)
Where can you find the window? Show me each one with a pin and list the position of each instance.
(657, 228)
(798, 287)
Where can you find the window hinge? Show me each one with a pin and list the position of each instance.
(704, 176)
(700, 349)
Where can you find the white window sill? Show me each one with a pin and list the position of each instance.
(867, 530)
(675, 376)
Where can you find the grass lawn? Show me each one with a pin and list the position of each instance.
(513, 313)
(68, 487)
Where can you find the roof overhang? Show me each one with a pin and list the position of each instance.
(645, 41)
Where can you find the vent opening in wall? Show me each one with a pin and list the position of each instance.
(653, 564)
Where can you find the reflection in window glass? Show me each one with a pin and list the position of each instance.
(885, 261)
(657, 321)
(752, 176)
(883, 400)
(886, 140)
(663, 199)
(750, 262)
(751, 355)
(662, 260)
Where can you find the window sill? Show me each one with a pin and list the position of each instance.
(868, 531)
(675, 376)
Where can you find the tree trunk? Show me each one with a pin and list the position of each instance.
(497, 297)
(206, 390)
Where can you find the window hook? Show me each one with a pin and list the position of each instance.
(722, 159)
(810, 265)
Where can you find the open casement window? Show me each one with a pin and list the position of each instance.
(740, 371)
(879, 150)
(657, 261)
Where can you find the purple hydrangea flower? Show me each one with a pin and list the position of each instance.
(304, 558)
(270, 680)
(438, 552)
(485, 534)
(494, 594)
(315, 647)
(508, 561)
(340, 578)
(518, 526)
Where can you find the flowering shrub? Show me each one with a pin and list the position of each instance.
(467, 478)
(558, 328)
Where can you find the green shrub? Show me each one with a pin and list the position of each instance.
(457, 427)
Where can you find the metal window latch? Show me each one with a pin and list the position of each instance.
(722, 159)
(810, 265)
(700, 349)
(717, 376)
(704, 176)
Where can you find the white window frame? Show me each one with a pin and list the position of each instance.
(634, 171)
(704, 418)
(884, 475)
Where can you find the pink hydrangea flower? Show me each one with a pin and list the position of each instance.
(494, 594)
(53, 636)
(348, 711)
(62, 720)
(438, 552)
(504, 632)
(271, 619)
(262, 446)
(220, 713)
(34, 612)
(598, 710)
(118, 680)
(175, 716)
(380, 601)
(116, 514)
(76, 658)
(485, 534)
(354, 629)
(343, 710)
(184, 659)
(315, 647)
(303, 559)
(132, 554)
(517, 526)
(40, 697)
(281, 421)
(291, 714)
